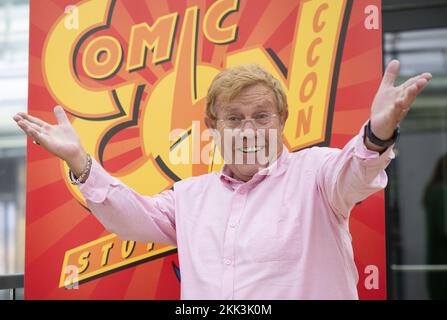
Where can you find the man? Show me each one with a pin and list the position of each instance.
(274, 229)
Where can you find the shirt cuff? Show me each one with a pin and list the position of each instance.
(370, 157)
(98, 183)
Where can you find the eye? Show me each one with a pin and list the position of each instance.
(261, 116)
(233, 118)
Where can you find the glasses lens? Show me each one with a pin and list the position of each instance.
(260, 121)
(233, 123)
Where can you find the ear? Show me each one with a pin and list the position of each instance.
(284, 117)
(210, 123)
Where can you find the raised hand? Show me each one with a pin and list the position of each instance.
(60, 139)
(391, 104)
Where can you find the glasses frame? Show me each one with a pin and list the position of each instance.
(256, 125)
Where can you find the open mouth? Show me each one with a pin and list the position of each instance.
(251, 149)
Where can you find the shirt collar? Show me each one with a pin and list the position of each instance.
(275, 169)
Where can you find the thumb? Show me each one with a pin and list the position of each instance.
(391, 73)
(61, 116)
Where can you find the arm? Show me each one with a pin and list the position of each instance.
(352, 174)
(119, 208)
(125, 212)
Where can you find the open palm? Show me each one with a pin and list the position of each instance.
(59, 139)
(392, 103)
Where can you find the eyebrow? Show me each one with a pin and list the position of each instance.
(230, 109)
(236, 109)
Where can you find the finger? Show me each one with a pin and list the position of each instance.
(32, 119)
(33, 126)
(27, 129)
(33, 131)
(408, 98)
(61, 116)
(401, 107)
(26, 126)
(37, 136)
(391, 73)
(22, 125)
(421, 84)
(409, 82)
(427, 76)
(17, 118)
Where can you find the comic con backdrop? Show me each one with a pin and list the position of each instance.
(129, 72)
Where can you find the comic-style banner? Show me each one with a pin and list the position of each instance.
(130, 72)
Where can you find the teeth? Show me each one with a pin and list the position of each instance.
(251, 149)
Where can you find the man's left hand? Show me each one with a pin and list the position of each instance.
(391, 104)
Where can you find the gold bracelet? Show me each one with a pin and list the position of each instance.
(84, 173)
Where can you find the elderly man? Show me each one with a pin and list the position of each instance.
(275, 229)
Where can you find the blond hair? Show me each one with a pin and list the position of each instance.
(230, 82)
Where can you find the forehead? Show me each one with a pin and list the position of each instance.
(250, 98)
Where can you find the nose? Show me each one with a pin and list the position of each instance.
(248, 124)
(248, 130)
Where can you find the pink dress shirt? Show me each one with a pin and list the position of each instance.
(281, 235)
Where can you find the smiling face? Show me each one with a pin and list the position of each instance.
(250, 145)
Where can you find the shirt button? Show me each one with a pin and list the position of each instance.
(232, 225)
(227, 262)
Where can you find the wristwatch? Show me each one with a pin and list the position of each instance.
(379, 142)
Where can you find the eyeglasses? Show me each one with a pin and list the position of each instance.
(260, 120)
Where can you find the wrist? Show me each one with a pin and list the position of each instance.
(78, 163)
(375, 143)
(373, 147)
(382, 133)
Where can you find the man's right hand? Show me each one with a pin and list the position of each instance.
(60, 139)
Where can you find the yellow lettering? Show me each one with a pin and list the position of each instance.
(105, 253)
(214, 18)
(158, 38)
(127, 249)
(83, 261)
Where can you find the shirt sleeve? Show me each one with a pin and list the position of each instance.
(130, 215)
(352, 174)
